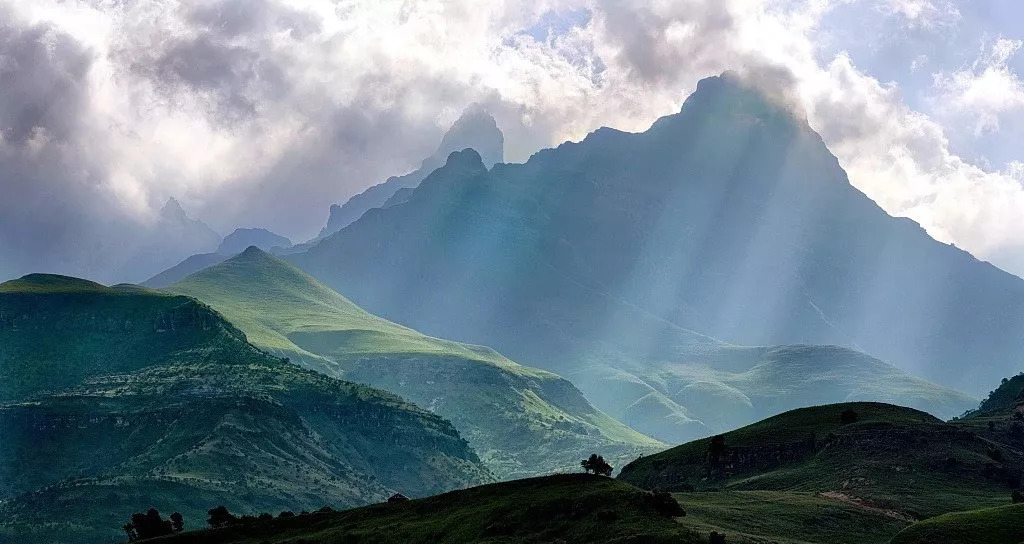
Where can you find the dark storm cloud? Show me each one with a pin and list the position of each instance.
(657, 43)
(50, 207)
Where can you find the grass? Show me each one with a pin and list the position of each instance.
(892, 458)
(786, 518)
(984, 526)
(567, 508)
(523, 421)
(119, 399)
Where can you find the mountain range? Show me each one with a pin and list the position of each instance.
(639, 266)
(475, 128)
(233, 244)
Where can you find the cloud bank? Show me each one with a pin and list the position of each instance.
(264, 112)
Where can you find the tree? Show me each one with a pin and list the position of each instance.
(596, 464)
(220, 517)
(848, 417)
(148, 525)
(177, 522)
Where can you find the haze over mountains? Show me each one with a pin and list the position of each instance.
(475, 321)
(475, 129)
(730, 218)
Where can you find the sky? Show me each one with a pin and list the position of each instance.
(261, 113)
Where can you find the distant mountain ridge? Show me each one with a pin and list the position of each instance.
(234, 243)
(475, 128)
(522, 421)
(119, 399)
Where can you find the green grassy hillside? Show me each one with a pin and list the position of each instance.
(984, 526)
(125, 399)
(522, 421)
(568, 508)
(894, 459)
(692, 391)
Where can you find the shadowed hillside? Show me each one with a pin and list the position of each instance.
(886, 457)
(119, 399)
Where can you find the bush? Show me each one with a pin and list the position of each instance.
(151, 525)
(1017, 497)
(663, 503)
(717, 538)
(220, 517)
(848, 417)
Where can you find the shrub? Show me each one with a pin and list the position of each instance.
(663, 503)
(848, 417)
(151, 525)
(220, 517)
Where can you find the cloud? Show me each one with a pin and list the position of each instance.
(263, 112)
(987, 89)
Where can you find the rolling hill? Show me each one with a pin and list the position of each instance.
(566, 508)
(522, 421)
(119, 399)
(983, 526)
(900, 461)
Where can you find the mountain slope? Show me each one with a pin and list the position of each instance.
(566, 508)
(237, 241)
(471, 256)
(119, 399)
(730, 218)
(522, 421)
(184, 269)
(890, 458)
(475, 128)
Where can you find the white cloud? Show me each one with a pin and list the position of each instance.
(986, 90)
(263, 112)
(921, 13)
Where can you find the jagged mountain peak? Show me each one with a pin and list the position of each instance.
(172, 210)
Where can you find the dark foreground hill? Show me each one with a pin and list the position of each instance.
(984, 526)
(522, 421)
(894, 459)
(115, 400)
(569, 508)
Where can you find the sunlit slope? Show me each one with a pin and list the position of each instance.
(521, 420)
(891, 458)
(984, 526)
(569, 508)
(171, 407)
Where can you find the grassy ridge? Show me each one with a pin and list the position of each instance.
(523, 421)
(894, 459)
(984, 526)
(568, 508)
